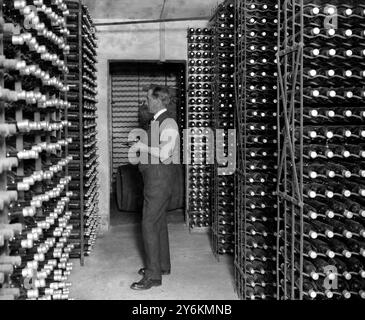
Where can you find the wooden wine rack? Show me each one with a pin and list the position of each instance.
(31, 126)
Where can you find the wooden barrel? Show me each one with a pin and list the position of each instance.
(178, 192)
(129, 189)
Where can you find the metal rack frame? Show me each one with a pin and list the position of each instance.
(3, 177)
(215, 122)
(290, 74)
(81, 137)
(80, 12)
(240, 91)
(81, 155)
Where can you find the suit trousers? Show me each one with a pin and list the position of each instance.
(157, 193)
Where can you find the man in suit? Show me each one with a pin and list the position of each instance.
(162, 151)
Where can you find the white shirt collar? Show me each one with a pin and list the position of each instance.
(158, 114)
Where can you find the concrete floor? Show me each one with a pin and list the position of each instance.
(113, 265)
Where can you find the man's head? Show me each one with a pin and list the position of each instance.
(158, 98)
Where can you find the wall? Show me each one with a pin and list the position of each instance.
(149, 9)
(129, 42)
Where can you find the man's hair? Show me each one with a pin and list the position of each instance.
(161, 93)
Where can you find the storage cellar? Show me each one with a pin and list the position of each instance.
(262, 103)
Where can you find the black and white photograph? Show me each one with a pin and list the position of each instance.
(188, 157)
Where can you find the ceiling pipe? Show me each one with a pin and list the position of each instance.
(119, 23)
(163, 15)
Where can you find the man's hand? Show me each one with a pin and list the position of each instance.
(139, 146)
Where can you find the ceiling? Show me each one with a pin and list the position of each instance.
(149, 9)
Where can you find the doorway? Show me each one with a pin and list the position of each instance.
(128, 83)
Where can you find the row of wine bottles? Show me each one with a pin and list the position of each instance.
(223, 94)
(255, 209)
(331, 141)
(37, 224)
(331, 233)
(85, 127)
(199, 48)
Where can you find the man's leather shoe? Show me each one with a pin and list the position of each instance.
(145, 284)
(142, 272)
